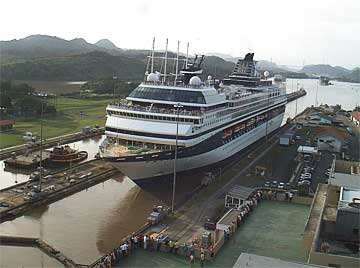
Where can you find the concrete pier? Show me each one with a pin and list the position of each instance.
(42, 245)
(18, 199)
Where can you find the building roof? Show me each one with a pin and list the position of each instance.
(331, 132)
(240, 192)
(251, 260)
(345, 180)
(324, 116)
(356, 115)
(6, 122)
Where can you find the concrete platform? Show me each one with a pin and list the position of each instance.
(273, 229)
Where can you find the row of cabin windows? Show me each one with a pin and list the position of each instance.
(251, 100)
(144, 145)
(155, 117)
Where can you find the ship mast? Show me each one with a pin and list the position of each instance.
(152, 56)
(177, 62)
(166, 52)
(187, 56)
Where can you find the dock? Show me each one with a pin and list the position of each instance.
(48, 143)
(18, 199)
(29, 160)
(295, 95)
(42, 245)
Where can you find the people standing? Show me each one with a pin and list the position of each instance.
(145, 242)
(171, 246)
(202, 259)
(192, 259)
(176, 246)
(192, 249)
(212, 251)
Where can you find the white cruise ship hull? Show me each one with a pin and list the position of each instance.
(140, 170)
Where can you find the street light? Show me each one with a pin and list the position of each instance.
(177, 106)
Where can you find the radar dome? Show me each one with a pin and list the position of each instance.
(195, 81)
(152, 77)
(266, 73)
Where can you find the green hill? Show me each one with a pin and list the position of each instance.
(83, 67)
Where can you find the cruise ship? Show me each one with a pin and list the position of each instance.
(197, 122)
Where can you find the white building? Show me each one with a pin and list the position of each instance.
(355, 118)
(329, 140)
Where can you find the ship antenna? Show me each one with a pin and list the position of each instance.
(177, 62)
(152, 56)
(166, 52)
(187, 56)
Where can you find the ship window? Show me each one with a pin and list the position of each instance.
(168, 95)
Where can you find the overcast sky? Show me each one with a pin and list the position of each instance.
(289, 32)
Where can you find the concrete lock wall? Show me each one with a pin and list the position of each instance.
(333, 260)
(303, 200)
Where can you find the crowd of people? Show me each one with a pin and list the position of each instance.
(163, 243)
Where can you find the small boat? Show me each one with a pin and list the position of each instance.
(66, 155)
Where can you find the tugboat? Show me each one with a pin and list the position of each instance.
(66, 155)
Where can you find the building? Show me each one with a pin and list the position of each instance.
(246, 260)
(238, 196)
(355, 118)
(6, 125)
(286, 139)
(319, 119)
(330, 140)
(332, 232)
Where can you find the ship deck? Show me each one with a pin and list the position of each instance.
(119, 150)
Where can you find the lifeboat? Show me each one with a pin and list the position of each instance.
(227, 133)
(250, 122)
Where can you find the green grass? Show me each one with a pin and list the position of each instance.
(68, 120)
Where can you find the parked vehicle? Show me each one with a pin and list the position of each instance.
(267, 184)
(304, 182)
(281, 185)
(274, 184)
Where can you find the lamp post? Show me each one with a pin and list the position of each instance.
(41, 146)
(177, 106)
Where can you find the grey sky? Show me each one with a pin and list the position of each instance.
(289, 32)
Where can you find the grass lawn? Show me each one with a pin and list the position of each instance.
(68, 120)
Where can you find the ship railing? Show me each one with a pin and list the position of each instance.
(149, 109)
(173, 84)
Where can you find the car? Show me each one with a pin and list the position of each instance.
(274, 184)
(302, 176)
(72, 181)
(297, 138)
(304, 182)
(288, 186)
(281, 185)
(327, 174)
(267, 184)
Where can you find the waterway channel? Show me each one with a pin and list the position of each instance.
(88, 224)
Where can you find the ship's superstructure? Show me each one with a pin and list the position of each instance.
(208, 123)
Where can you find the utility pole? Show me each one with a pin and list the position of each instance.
(41, 145)
(177, 106)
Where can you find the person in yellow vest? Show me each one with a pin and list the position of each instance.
(171, 246)
(176, 246)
